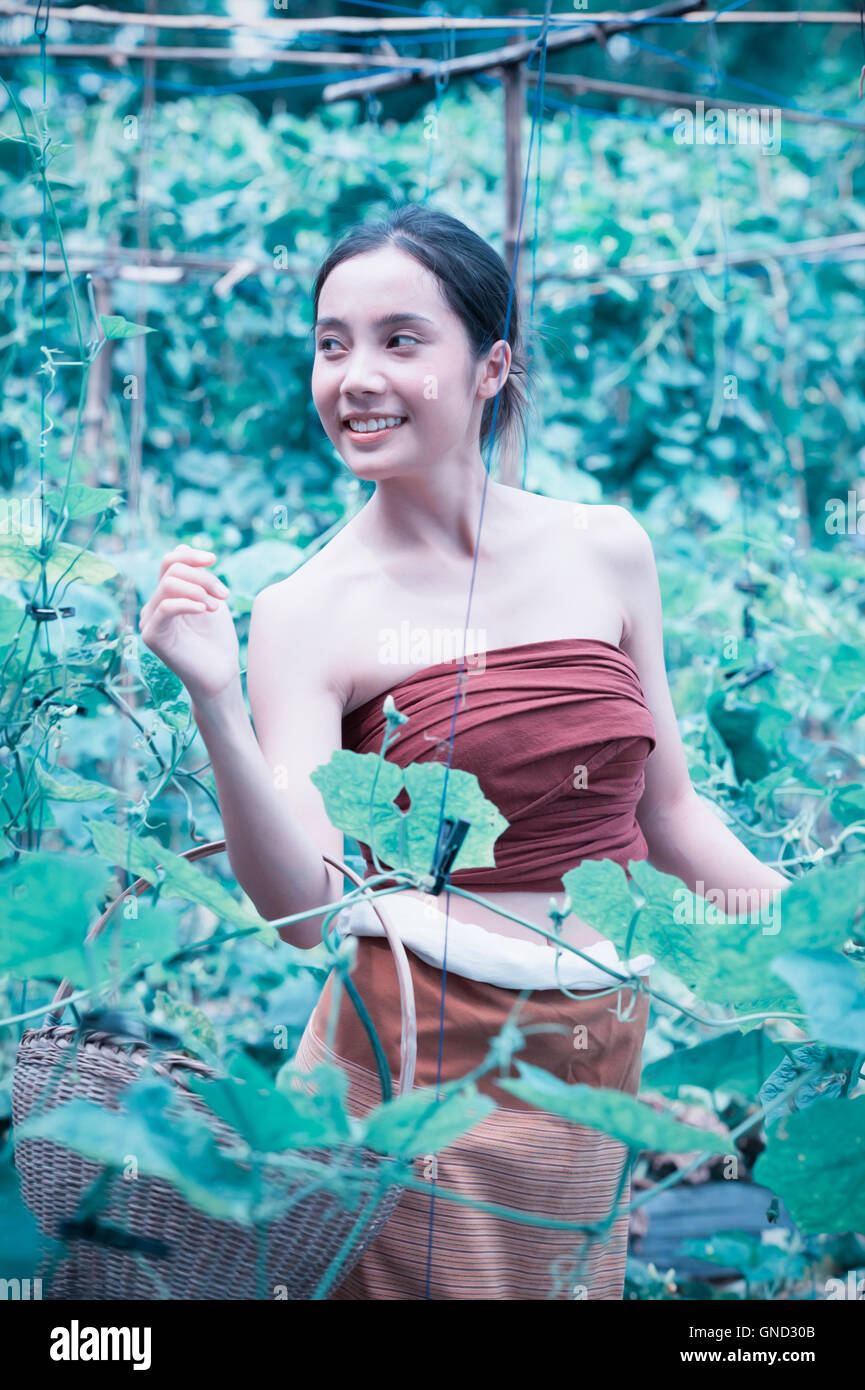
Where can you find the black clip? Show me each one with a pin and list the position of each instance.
(113, 1236)
(47, 615)
(450, 838)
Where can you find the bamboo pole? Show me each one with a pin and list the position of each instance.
(514, 82)
(118, 57)
(714, 261)
(434, 24)
(96, 419)
(577, 85)
(558, 40)
(170, 269)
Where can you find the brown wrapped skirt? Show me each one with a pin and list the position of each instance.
(517, 1157)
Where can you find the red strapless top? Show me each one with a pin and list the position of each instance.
(526, 724)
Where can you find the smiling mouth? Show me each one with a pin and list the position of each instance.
(376, 425)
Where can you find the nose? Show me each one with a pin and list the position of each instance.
(362, 373)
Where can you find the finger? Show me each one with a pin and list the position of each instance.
(171, 607)
(187, 554)
(202, 578)
(173, 586)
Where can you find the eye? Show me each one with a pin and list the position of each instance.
(322, 343)
(409, 336)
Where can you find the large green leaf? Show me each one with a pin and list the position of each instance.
(273, 1118)
(162, 683)
(359, 790)
(419, 1123)
(18, 560)
(724, 960)
(182, 879)
(735, 1061)
(615, 1112)
(832, 989)
(62, 784)
(82, 500)
(814, 1160)
(48, 902)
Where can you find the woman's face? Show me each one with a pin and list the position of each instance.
(389, 349)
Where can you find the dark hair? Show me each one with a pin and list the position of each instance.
(475, 283)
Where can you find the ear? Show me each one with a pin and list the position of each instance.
(496, 364)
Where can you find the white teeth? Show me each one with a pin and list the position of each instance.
(384, 422)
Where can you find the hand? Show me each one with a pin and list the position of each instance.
(188, 625)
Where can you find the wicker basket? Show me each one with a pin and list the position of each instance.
(145, 1241)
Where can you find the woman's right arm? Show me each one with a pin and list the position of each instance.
(276, 829)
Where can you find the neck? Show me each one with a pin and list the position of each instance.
(437, 510)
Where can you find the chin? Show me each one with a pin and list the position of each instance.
(370, 470)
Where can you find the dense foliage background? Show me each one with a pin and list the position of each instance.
(725, 407)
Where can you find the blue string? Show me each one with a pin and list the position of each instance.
(40, 29)
(542, 42)
(780, 98)
(743, 480)
(531, 319)
(441, 83)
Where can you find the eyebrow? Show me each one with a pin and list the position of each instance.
(386, 320)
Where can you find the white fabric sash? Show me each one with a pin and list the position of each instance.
(477, 954)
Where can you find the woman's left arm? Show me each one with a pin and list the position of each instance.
(683, 834)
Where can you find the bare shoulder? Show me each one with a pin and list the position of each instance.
(623, 536)
(614, 533)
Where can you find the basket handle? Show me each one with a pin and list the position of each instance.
(408, 1012)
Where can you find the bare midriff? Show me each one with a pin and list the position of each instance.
(532, 906)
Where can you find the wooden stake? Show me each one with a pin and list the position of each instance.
(514, 84)
(434, 24)
(576, 84)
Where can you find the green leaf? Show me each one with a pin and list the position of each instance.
(734, 1061)
(181, 878)
(760, 1263)
(175, 714)
(82, 500)
(19, 560)
(162, 683)
(273, 1118)
(724, 960)
(11, 615)
(48, 902)
(848, 805)
(832, 990)
(787, 1089)
(615, 1112)
(601, 895)
(70, 787)
(359, 790)
(814, 1161)
(21, 1242)
(164, 1140)
(418, 1123)
(115, 326)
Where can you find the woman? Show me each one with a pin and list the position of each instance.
(562, 710)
